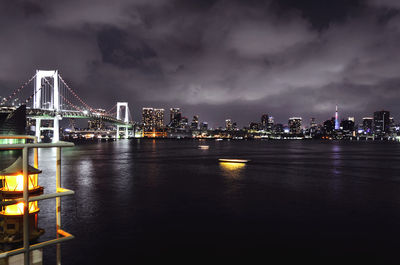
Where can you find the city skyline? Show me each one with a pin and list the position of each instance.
(265, 120)
(217, 59)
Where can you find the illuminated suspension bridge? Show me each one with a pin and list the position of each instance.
(53, 99)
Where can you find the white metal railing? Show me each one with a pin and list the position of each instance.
(60, 192)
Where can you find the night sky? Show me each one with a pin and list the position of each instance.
(215, 58)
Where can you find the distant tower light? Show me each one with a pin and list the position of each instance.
(337, 125)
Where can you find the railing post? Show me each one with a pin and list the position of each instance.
(37, 129)
(35, 154)
(58, 202)
(26, 205)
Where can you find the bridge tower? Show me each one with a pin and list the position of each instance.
(120, 107)
(54, 104)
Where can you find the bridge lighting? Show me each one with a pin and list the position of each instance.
(12, 180)
(85, 112)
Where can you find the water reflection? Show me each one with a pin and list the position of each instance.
(336, 158)
(232, 170)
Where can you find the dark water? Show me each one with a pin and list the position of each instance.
(165, 200)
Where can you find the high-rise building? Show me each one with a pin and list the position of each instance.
(295, 125)
(228, 124)
(158, 118)
(367, 125)
(381, 122)
(254, 126)
(264, 121)
(204, 126)
(347, 125)
(96, 124)
(147, 119)
(184, 123)
(175, 116)
(313, 123)
(270, 124)
(195, 123)
(278, 128)
(329, 125)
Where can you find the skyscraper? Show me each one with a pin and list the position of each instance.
(147, 119)
(228, 124)
(270, 125)
(329, 126)
(175, 116)
(295, 125)
(313, 123)
(367, 125)
(381, 122)
(204, 126)
(264, 121)
(347, 125)
(158, 118)
(195, 122)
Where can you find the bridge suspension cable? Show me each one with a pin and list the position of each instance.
(109, 111)
(71, 104)
(73, 93)
(17, 90)
(62, 96)
(34, 93)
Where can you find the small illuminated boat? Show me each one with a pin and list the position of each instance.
(204, 147)
(228, 160)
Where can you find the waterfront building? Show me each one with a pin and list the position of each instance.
(264, 121)
(270, 124)
(158, 118)
(329, 126)
(267, 123)
(234, 126)
(204, 126)
(13, 121)
(148, 119)
(347, 125)
(228, 124)
(367, 125)
(255, 126)
(195, 123)
(313, 123)
(381, 122)
(184, 123)
(96, 124)
(175, 116)
(278, 128)
(295, 125)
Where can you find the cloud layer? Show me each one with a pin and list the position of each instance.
(220, 59)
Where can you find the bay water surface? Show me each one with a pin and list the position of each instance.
(151, 201)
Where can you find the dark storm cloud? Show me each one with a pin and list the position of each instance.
(218, 58)
(115, 49)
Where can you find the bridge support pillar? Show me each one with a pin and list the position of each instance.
(126, 132)
(56, 129)
(119, 129)
(37, 130)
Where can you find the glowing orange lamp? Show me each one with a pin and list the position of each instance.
(11, 225)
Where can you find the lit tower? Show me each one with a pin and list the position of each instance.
(337, 125)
